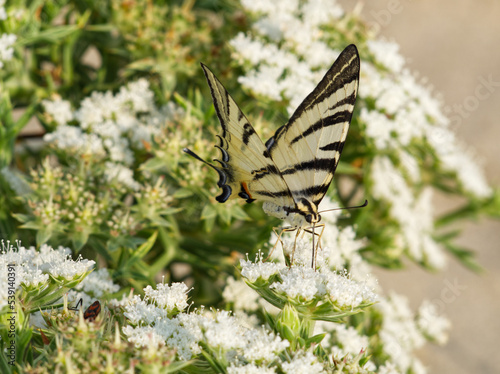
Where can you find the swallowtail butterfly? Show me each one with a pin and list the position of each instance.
(292, 171)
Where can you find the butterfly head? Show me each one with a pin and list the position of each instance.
(308, 210)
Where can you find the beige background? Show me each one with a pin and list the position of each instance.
(455, 43)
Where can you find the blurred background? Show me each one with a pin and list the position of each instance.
(456, 45)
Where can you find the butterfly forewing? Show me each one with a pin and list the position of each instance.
(307, 149)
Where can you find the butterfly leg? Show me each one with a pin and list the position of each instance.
(294, 242)
(317, 245)
(283, 229)
(277, 241)
(288, 260)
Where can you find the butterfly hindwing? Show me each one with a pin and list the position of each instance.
(246, 164)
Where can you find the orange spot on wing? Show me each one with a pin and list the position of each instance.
(245, 187)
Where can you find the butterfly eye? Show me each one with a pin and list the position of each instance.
(309, 218)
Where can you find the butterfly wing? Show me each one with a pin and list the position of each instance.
(307, 149)
(246, 166)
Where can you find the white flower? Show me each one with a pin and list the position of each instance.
(414, 214)
(250, 369)
(72, 138)
(389, 368)
(59, 110)
(387, 53)
(349, 339)
(33, 268)
(3, 13)
(168, 297)
(303, 284)
(121, 175)
(378, 127)
(399, 332)
(303, 362)
(241, 295)
(6, 50)
(259, 269)
(262, 345)
(431, 324)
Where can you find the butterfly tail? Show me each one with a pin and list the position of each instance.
(222, 183)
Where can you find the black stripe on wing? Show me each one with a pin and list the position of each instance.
(309, 191)
(344, 71)
(318, 164)
(335, 119)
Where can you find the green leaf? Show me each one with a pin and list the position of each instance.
(466, 256)
(208, 212)
(153, 164)
(43, 235)
(316, 339)
(51, 35)
(142, 251)
(79, 239)
(224, 212)
(182, 193)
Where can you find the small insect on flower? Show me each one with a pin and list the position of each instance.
(92, 311)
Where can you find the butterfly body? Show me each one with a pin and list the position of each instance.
(292, 171)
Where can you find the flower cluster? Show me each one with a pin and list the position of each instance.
(6, 40)
(48, 269)
(108, 127)
(159, 320)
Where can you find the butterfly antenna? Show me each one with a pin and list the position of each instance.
(347, 207)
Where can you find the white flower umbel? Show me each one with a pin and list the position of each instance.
(399, 334)
(303, 362)
(306, 288)
(157, 304)
(432, 325)
(263, 346)
(347, 340)
(414, 214)
(109, 128)
(253, 271)
(49, 269)
(406, 110)
(217, 332)
(242, 296)
(387, 53)
(250, 369)
(292, 70)
(6, 49)
(282, 63)
(172, 297)
(58, 110)
(116, 173)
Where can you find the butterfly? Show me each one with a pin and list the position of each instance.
(292, 171)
